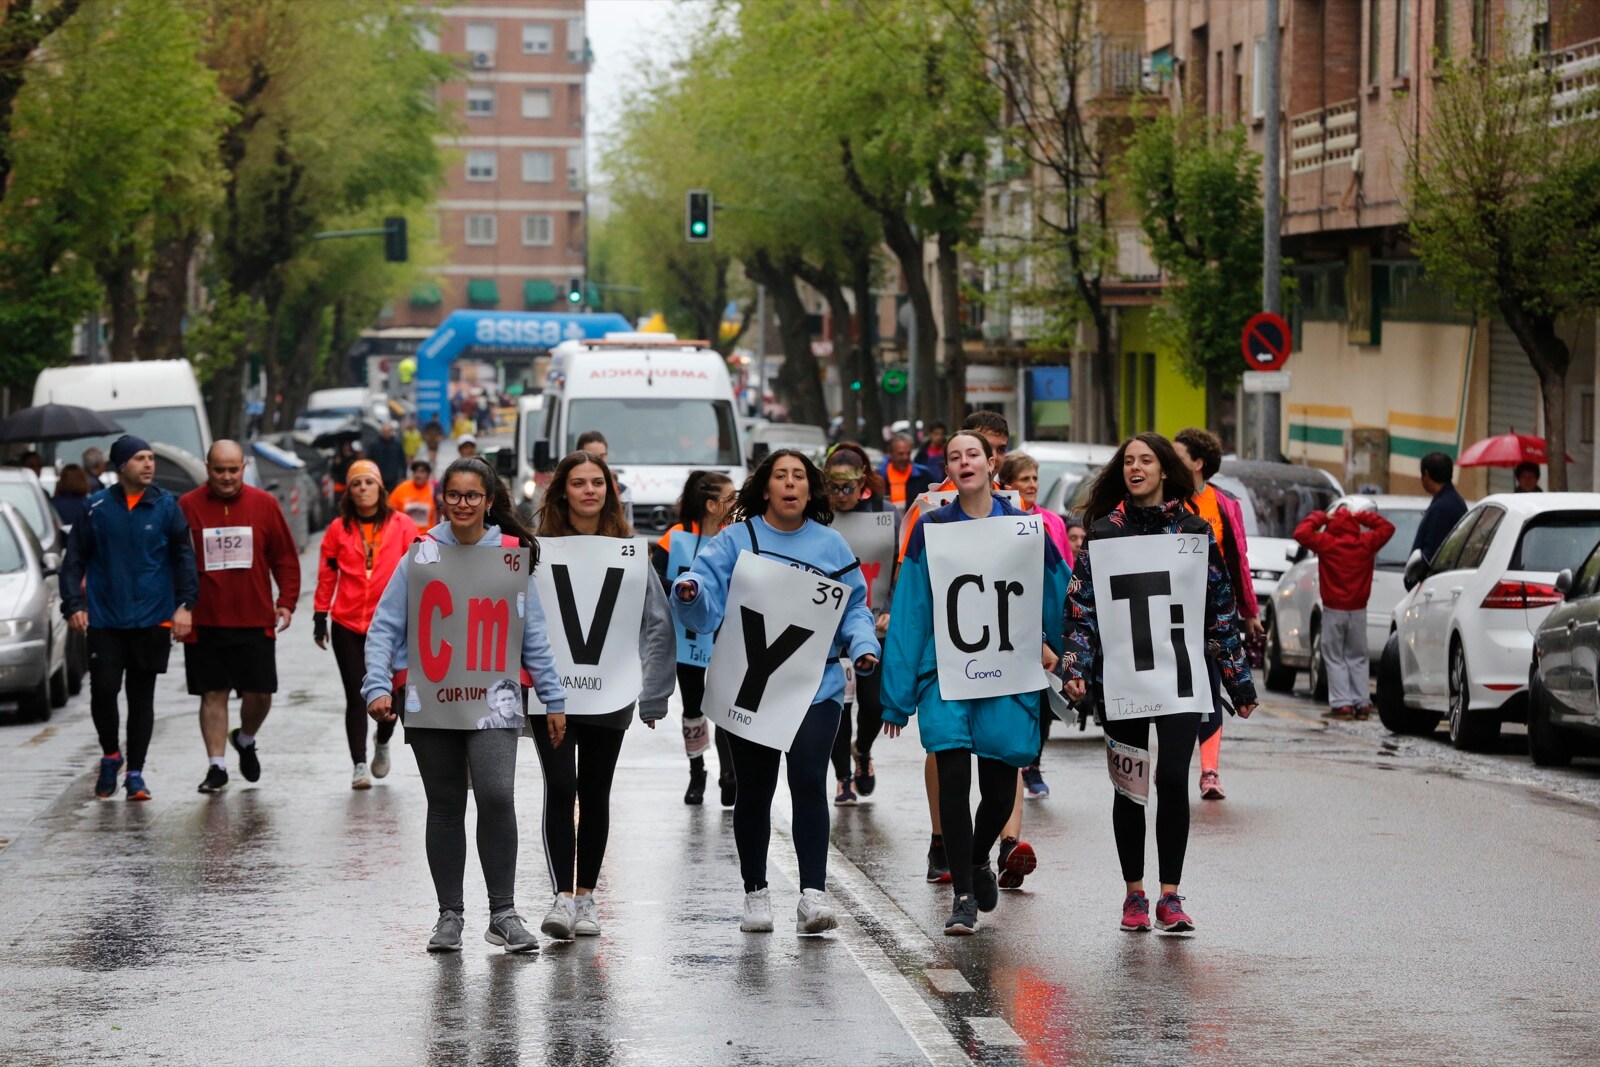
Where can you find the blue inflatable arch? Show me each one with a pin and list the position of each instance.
(462, 330)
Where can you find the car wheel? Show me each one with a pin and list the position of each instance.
(1470, 730)
(58, 686)
(1392, 710)
(1548, 744)
(35, 703)
(1319, 669)
(1279, 675)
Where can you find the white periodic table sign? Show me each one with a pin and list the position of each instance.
(1150, 605)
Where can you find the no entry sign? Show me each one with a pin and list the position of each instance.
(1265, 342)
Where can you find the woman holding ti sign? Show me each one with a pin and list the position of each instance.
(582, 501)
(479, 516)
(782, 513)
(1140, 631)
(1002, 731)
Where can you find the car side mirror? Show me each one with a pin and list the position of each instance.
(759, 451)
(541, 455)
(1416, 570)
(1564, 582)
(505, 462)
(50, 564)
(1295, 554)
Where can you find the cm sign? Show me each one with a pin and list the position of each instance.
(462, 330)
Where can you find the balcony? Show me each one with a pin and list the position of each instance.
(1325, 137)
(1115, 65)
(1134, 261)
(1577, 71)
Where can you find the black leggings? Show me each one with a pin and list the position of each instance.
(1175, 734)
(692, 687)
(126, 661)
(350, 653)
(577, 776)
(968, 841)
(869, 721)
(757, 768)
(444, 757)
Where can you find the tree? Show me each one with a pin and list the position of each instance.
(1199, 198)
(1503, 186)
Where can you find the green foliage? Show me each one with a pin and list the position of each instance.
(1198, 194)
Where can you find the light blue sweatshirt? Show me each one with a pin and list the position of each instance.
(813, 548)
(386, 638)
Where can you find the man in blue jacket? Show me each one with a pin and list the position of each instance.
(1446, 508)
(129, 582)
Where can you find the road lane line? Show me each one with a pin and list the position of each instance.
(947, 980)
(915, 1016)
(993, 1030)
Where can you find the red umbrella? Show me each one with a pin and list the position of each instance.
(1505, 450)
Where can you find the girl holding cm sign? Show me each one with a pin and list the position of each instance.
(988, 584)
(1140, 624)
(785, 596)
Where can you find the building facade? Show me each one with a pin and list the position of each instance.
(512, 216)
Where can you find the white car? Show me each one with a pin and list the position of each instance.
(1294, 638)
(1064, 467)
(1274, 497)
(1463, 633)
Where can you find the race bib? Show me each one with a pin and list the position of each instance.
(696, 736)
(1130, 770)
(228, 548)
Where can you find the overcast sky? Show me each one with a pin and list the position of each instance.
(621, 34)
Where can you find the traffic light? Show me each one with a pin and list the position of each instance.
(698, 227)
(855, 387)
(394, 239)
(575, 291)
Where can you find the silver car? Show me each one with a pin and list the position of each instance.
(1295, 619)
(1564, 681)
(33, 633)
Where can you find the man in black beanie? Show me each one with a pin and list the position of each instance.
(129, 582)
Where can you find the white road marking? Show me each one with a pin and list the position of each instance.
(947, 980)
(993, 1030)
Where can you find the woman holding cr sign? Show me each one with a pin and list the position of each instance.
(1001, 731)
(582, 501)
(782, 513)
(479, 514)
(1144, 492)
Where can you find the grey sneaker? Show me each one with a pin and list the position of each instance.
(814, 915)
(757, 912)
(559, 920)
(446, 933)
(506, 929)
(588, 917)
(359, 779)
(380, 760)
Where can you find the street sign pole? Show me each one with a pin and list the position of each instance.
(1272, 250)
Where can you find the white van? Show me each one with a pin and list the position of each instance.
(523, 476)
(666, 408)
(156, 399)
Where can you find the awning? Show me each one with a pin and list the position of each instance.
(482, 292)
(427, 295)
(538, 292)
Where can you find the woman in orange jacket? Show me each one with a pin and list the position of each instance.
(359, 553)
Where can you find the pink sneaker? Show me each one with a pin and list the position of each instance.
(1136, 913)
(1170, 916)
(1211, 786)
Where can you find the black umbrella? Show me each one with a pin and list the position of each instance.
(56, 422)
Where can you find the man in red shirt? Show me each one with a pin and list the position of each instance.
(1347, 544)
(242, 545)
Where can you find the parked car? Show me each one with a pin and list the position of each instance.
(324, 505)
(1065, 467)
(33, 634)
(1294, 623)
(20, 489)
(770, 436)
(1463, 633)
(1564, 681)
(283, 474)
(1274, 497)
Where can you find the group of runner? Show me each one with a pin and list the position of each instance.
(201, 569)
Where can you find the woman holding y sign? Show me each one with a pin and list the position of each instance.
(1144, 672)
(582, 501)
(1002, 731)
(782, 514)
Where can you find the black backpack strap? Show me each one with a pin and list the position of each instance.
(855, 564)
(750, 528)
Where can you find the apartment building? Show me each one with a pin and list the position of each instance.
(512, 214)
(1388, 366)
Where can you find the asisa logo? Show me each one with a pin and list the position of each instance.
(531, 331)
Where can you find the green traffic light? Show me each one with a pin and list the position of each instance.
(575, 298)
(698, 228)
(855, 387)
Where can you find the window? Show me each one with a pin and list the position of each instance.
(1392, 556)
(481, 38)
(1402, 38)
(481, 230)
(1258, 80)
(537, 39)
(1450, 549)
(1480, 28)
(577, 47)
(1238, 82)
(480, 102)
(481, 166)
(538, 167)
(1477, 545)
(1374, 52)
(428, 39)
(575, 168)
(1588, 578)
(1441, 33)
(538, 230)
(536, 103)
(681, 431)
(1555, 540)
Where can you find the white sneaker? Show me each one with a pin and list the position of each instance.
(359, 778)
(587, 917)
(757, 912)
(814, 914)
(559, 920)
(380, 760)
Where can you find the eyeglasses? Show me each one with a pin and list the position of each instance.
(836, 485)
(472, 499)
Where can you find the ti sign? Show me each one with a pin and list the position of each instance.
(1265, 342)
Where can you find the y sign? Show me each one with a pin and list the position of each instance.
(777, 632)
(592, 590)
(1150, 603)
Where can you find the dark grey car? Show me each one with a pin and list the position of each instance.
(1564, 681)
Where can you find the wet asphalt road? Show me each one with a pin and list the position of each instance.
(1358, 901)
